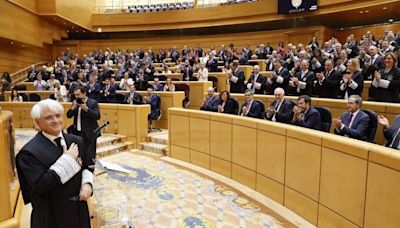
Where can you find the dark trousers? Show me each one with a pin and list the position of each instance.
(91, 145)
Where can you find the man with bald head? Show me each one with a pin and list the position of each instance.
(211, 102)
(256, 81)
(327, 83)
(303, 81)
(53, 171)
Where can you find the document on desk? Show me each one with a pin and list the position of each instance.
(113, 166)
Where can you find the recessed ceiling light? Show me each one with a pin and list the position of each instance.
(384, 8)
(67, 30)
(99, 30)
(390, 20)
(55, 18)
(367, 11)
(73, 27)
(23, 46)
(361, 11)
(83, 31)
(64, 23)
(77, 31)
(12, 42)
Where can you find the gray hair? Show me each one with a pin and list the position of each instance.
(279, 90)
(52, 105)
(357, 98)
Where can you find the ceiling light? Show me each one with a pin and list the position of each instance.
(64, 23)
(83, 31)
(361, 11)
(12, 42)
(67, 30)
(73, 27)
(367, 11)
(384, 8)
(77, 31)
(390, 20)
(99, 30)
(23, 46)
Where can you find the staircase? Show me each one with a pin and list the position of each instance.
(109, 144)
(157, 142)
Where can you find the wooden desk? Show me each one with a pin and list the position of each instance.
(222, 80)
(128, 120)
(260, 62)
(327, 179)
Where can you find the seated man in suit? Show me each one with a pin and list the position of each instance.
(256, 81)
(280, 110)
(251, 108)
(155, 102)
(157, 85)
(303, 82)
(187, 72)
(354, 123)
(93, 88)
(304, 115)
(236, 79)
(108, 92)
(391, 133)
(133, 97)
(211, 102)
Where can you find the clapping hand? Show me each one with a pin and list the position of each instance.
(383, 121)
(244, 110)
(84, 106)
(337, 123)
(271, 111)
(319, 76)
(86, 192)
(297, 113)
(378, 76)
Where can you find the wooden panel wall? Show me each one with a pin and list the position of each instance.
(76, 11)
(205, 41)
(304, 170)
(377, 30)
(15, 57)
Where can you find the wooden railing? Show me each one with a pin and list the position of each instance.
(20, 75)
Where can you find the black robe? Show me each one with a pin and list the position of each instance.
(55, 205)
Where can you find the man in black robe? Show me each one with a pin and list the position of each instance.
(53, 172)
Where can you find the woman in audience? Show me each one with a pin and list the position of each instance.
(341, 63)
(352, 81)
(227, 68)
(81, 79)
(169, 87)
(15, 96)
(166, 70)
(227, 104)
(385, 86)
(126, 82)
(202, 74)
(60, 92)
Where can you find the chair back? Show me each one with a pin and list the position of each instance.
(214, 80)
(119, 98)
(262, 112)
(34, 97)
(326, 118)
(373, 124)
(236, 106)
(24, 97)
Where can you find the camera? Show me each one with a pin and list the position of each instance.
(79, 101)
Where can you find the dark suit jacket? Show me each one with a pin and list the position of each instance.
(212, 65)
(255, 109)
(284, 114)
(329, 88)
(211, 104)
(261, 80)
(110, 98)
(390, 132)
(311, 119)
(238, 86)
(230, 106)
(309, 80)
(358, 78)
(137, 98)
(187, 73)
(283, 73)
(359, 127)
(141, 85)
(95, 93)
(155, 103)
(88, 119)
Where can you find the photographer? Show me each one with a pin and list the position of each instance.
(86, 113)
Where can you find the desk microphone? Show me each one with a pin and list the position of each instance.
(106, 123)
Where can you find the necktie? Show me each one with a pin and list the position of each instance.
(349, 120)
(59, 146)
(395, 141)
(276, 106)
(78, 121)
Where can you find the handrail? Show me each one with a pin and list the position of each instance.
(20, 75)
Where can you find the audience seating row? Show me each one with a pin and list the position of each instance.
(160, 7)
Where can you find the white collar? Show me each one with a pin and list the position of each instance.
(52, 137)
(355, 113)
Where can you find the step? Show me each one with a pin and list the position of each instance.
(154, 147)
(161, 139)
(108, 139)
(113, 148)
